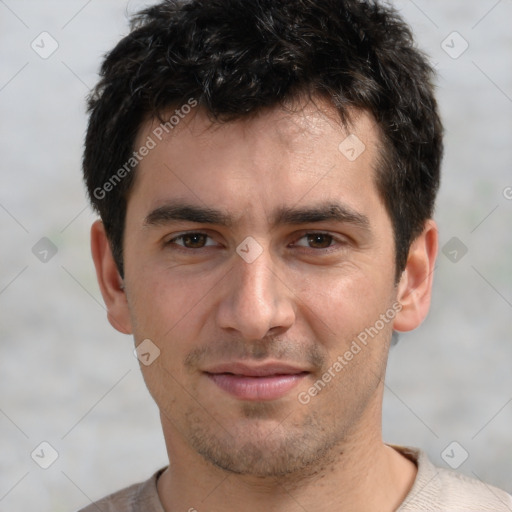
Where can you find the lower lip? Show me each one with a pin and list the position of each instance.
(256, 388)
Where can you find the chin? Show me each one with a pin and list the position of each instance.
(264, 450)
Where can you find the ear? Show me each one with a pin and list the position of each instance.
(415, 286)
(111, 284)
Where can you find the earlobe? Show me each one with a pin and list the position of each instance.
(415, 286)
(109, 280)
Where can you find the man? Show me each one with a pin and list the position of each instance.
(265, 173)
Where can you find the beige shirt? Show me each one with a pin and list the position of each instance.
(434, 490)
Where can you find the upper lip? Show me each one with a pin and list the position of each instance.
(261, 370)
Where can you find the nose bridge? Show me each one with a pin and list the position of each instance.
(254, 280)
(256, 300)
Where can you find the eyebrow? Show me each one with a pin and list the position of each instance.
(323, 212)
(171, 212)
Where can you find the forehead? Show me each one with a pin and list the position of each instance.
(286, 156)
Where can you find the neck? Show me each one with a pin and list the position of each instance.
(361, 474)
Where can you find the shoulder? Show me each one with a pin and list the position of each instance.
(448, 491)
(460, 492)
(140, 497)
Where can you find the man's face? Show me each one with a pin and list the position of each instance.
(255, 253)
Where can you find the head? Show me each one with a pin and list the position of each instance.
(265, 173)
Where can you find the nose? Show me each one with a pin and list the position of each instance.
(256, 302)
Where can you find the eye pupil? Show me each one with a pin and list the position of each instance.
(319, 240)
(194, 240)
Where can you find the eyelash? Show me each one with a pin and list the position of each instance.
(182, 236)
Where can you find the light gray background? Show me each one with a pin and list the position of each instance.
(69, 379)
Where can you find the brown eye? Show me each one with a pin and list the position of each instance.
(319, 240)
(194, 240)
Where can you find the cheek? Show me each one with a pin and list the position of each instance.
(161, 306)
(167, 313)
(345, 318)
(339, 307)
